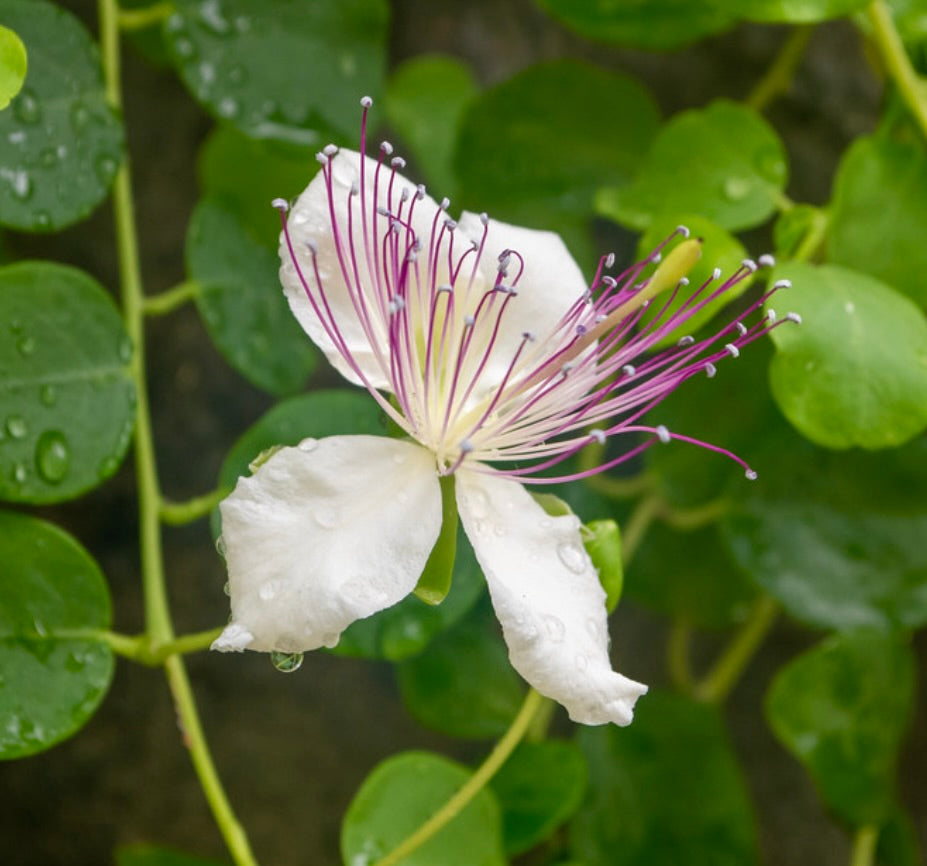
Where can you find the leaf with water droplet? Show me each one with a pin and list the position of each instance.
(53, 679)
(65, 85)
(232, 53)
(70, 408)
(723, 162)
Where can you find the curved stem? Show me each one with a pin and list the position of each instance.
(608, 485)
(864, 846)
(180, 513)
(638, 523)
(687, 519)
(167, 302)
(778, 77)
(912, 88)
(677, 654)
(719, 681)
(137, 19)
(453, 807)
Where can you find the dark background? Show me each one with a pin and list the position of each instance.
(292, 750)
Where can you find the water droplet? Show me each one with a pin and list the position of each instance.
(17, 136)
(49, 157)
(107, 467)
(268, 591)
(237, 75)
(770, 164)
(226, 587)
(478, 503)
(125, 350)
(554, 627)
(212, 18)
(242, 23)
(19, 181)
(73, 663)
(184, 48)
(207, 72)
(572, 556)
(228, 108)
(25, 346)
(327, 518)
(308, 445)
(79, 116)
(19, 473)
(736, 188)
(26, 107)
(41, 219)
(220, 546)
(16, 426)
(286, 662)
(52, 456)
(106, 167)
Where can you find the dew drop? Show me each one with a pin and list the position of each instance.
(106, 167)
(769, 164)
(554, 627)
(184, 48)
(52, 456)
(308, 445)
(268, 590)
(79, 116)
(237, 75)
(125, 350)
(107, 467)
(25, 346)
(26, 107)
(19, 181)
(41, 219)
(572, 556)
(478, 503)
(16, 426)
(220, 546)
(737, 188)
(19, 473)
(228, 108)
(286, 663)
(210, 14)
(48, 157)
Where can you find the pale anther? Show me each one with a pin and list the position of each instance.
(750, 475)
(716, 274)
(599, 436)
(386, 147)
(771, 315)
(741, 328)
(687, 340)
(354, 188)
(396, 304)
(529, 336)
(662, 434)
(466, 446)
(366, 101)
(766, 260)
(450, 224)
(610, 260)
(683, 282)
(468, 320)
(611, 282)
(280, 204)
(322, 158)
(732, 350)
(749, 264)
(629, 369)
(484, 218)
(313, 247)
(782, 284)
(683, 230)
(397, 162)
(445, 203)
(794, 317)
(330, 149)
(656, 258)
(710, 370)
(420, 191)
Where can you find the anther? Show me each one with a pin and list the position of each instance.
(600, 318)
(450, 224)
(281, 204)
(396, 304)
(610, 260)
(598, 435)
(386, 147)
(445, 288)
(566, 368)
(682, 230)
(794, 317)
(484, 218)
(687, 340)
(529, 336)
(466, 446)
(656, 258)
(629, 369)
(611, 282)
(683, 282)
(750, 475)
(782, 284)
(580, 330)
(366, 102)
(766, 261)
(445, 203)
(420, 191)
(382, 211)
(741, 328)
(732, 350)
(716, 274)
(749, 264)
(313, 247)
(321, 158)
(397, 162)
(355, 189)
(771, 315)
(404, 195)
(710, 370)
(330, 149)
(662, 434)
(468, 321)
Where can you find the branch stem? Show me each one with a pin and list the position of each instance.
(167, 302)
(865, 843)
(778, 77)
(181, 513)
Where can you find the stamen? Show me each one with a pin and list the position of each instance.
(663, 434)
(397, 162)
(716, 274)
(366, 101)
(598, 435)
(330, 149)
(687, 340)
(321, 158)
(732, 350)
(794, 317)
(771, 315)
(629, 369)
(741, 328)
(750, 475)
(782, 284)
(766, 261)
(386, 147)
(610, 260)
(749, 264)
(682, 230)
(281, 204)
(710, 370)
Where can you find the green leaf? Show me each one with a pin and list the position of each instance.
(842, 709)
(61, 142)
(792, 11)
(602, 540)
(281, 70)
(855, 371)
(793, 226)
(463, 684)
(52, 679)
(837, 538)
(724, 162)
(538, 788)
(879, 213)
(719, 250)
(648, 24)
(400, 795)
(65, 384)
(247, 175)
(664, 791)
(152, 855)
(533, 150)
(242, 304)
(13, 64)
(425, 100)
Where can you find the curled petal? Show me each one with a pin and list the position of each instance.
(548, 598)
(323, 534)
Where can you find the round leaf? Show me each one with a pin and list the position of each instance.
(52, 679)
(242, 304)
(425, 99)
(533, 150)
(855, 371)
(724, 162)
(60, 142)
(879, 213)
(400, 795)
(649, 24)
(663, 791)
(66, 391)
(538, 788)
(842, 709)
(12, 65)
(279, 69)
(792, 11)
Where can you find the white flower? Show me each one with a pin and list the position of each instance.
(484, 344)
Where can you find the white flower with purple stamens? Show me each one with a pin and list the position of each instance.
(485, 345)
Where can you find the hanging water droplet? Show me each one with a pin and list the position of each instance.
(25, 346)
(308, 445)
(52, 456)
(572, 556)
(19, 473)
(736, 188)
(26, 107)
(48, 396)
(16, 426)
(286, 662)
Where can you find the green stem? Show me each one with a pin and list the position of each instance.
(687, 519)
(719, 681)
(633, 532)
(159, 629)
(912, 88)
(593, 455)
(167, 302)
(138, 19)
(187, 643)
(814, 238)
(864, 846)
(778, 77)
(453, 807)
(139, 648)
(181, 513)
(677, 654)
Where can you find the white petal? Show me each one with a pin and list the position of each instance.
(324, 534)
(310, 221)
(548, 598)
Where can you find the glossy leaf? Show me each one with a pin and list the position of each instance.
(52, 679)
(649, 24)
(855, 371)
(538, 788)
(842, 709)
(885, 177)
(724, 162)
(242, 303)
(66, 392)
(247, 175)
(533, 150)
(791, 11)
(60, 142)
(152, 855)
(278, 69)
(463, 684)
(13, 64)
(401, 794)
(664, 791)
(425, 100)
